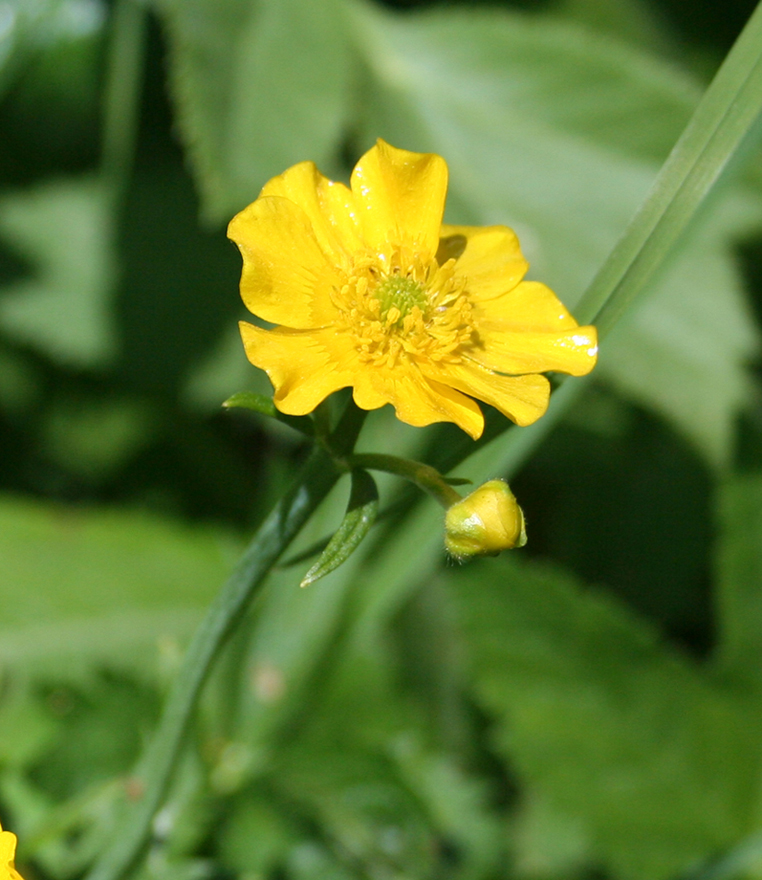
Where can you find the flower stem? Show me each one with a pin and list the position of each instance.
(154, 773)
(425, 477)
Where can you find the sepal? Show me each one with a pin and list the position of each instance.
(264, 405)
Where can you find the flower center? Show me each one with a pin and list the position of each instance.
(398, 306)
(399, 293)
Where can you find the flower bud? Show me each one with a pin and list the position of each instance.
(484, 523)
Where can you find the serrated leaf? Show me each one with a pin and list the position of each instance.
(65, 230)
(358, 521)
(607, 724)
(558, 132)
(257, 87)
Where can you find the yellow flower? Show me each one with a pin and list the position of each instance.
(370, 290)
(7, 852)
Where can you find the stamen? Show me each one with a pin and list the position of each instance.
(398, 306)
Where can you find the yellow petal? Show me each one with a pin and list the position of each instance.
(528, 330)
(418, 401)
(529, 306)
(369, 394)
(7, 854)
(330, 207)
(286, 277)
(523, 399)
(400, 198)
(7, 847)
(304, 366)
(571, 351)
(489, 257)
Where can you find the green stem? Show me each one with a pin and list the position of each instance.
(273, 537)
(425, 477)
(728, 112)
(122, 92)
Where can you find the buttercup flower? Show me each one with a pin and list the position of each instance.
(370, 290)
(7, 853)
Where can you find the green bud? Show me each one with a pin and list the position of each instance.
(484, 523)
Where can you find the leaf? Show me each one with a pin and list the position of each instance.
(739, 564)
(315, 861)
(456, 804)
(558, 132)
(683, 350)
(264, 405)
(255, 837)
(96, 584)
(41, 29)
(65, 230)
(607, 725)
(257, 87)
(359, 770)
(358, 521)
(628, 20)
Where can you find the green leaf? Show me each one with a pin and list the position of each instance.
(257, 87)
(739, 564)
(547, 843)
(606, 724)
(358, 521)
(314, 861)
(558, 132)
(629, 20)
(337, 772)
(683, 350)
(456, 803)
(49, 33)
(256, 837)
(65, 230)
(101, 584)
(354, 798)
(264, 405)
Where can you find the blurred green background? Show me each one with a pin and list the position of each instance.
(589, 707)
